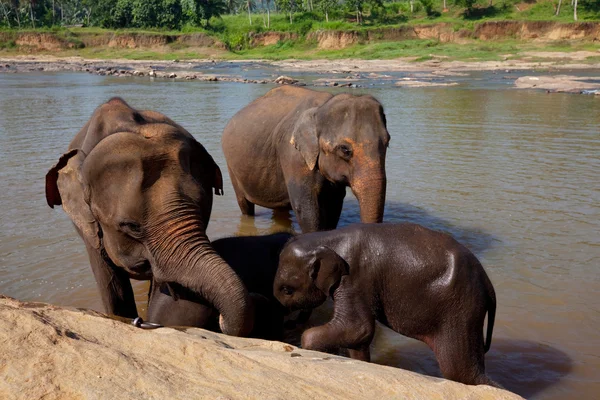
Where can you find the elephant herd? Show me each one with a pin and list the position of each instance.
(139, 189)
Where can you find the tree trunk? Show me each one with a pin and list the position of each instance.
(291, 21)
(445, 8)
(412, 8)
(31, 13)
(326, 16)
(53, 13)
(558, 8)
(249, 15)
(6, 14)
(268, 13)
(575, 10)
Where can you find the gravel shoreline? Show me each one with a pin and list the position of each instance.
(340, 73)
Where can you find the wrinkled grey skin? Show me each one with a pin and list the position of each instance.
(299, 149)
(254, 259)
(138, 188)
(421, 283)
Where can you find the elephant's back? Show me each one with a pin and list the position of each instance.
(257, 122)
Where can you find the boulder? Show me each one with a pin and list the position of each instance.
(58, 353)
(559, 83)
(285, 80)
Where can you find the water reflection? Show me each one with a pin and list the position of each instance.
(511, 174)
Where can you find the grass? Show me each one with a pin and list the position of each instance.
(235, 31)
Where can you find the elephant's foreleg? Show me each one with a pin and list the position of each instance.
(304, 200)
(351, 327)
(114, 286)
(331, 201)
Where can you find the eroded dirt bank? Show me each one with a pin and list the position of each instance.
(443, 32)
(58, 353)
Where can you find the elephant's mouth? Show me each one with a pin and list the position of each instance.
(140, 271)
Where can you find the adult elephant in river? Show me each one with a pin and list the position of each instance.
(300, 148)
(138, 188)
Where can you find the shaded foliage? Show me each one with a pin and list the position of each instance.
(308, 14)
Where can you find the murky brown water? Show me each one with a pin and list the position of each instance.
(512, 174)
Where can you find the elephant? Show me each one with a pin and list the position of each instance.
(138, 188)
(296, 148)
(420, 283)
(255, 260)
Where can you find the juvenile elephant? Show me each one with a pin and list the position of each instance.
(421, 283)
(255, 260)
(299, 148)
(138, 188)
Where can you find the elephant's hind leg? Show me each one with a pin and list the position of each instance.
(246, 207)
(460, 356)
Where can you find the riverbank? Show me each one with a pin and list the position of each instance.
(81, 354)
(483, 41)
(352, 73)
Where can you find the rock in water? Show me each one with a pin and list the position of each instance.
(285, 80)
(60, 353)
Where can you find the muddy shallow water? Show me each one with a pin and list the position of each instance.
(512, 174)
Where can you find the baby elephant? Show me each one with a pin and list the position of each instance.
(254, 259)
(420, 283)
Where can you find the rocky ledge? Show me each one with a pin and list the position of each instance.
(52, 352)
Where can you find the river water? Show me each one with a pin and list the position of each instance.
(514, 175)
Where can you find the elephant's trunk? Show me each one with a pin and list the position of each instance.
(183, 254)
(369, 187)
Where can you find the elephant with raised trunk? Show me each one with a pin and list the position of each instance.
(299, 148)
(138, 188)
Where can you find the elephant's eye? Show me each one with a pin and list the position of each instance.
(288, 291)
(345, 151)
(130, 227)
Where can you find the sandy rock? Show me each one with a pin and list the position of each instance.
(285, 80)
(407, 82)
(172, 75)
(53, 352)
(152, 74)
(558, 83)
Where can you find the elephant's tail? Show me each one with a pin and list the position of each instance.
(491, 311)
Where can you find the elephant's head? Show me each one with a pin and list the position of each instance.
(347, 139)
(306, 277)
(143, 198)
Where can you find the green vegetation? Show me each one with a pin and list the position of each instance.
(238, 23)
(281, 15)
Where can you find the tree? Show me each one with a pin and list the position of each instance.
(466, 3)
(356, 6)
(249, 5)
(6, 8)
(88, 7)
(428, 5)
(326, 6)
(288, 6)
(231, 6)
(575, 10)
(210, 8)
(558, 8)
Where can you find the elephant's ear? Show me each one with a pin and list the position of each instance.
(305, 139)
(52, 194)
(64, 185)
(328, 269)
(203, 164)
(218, 183)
